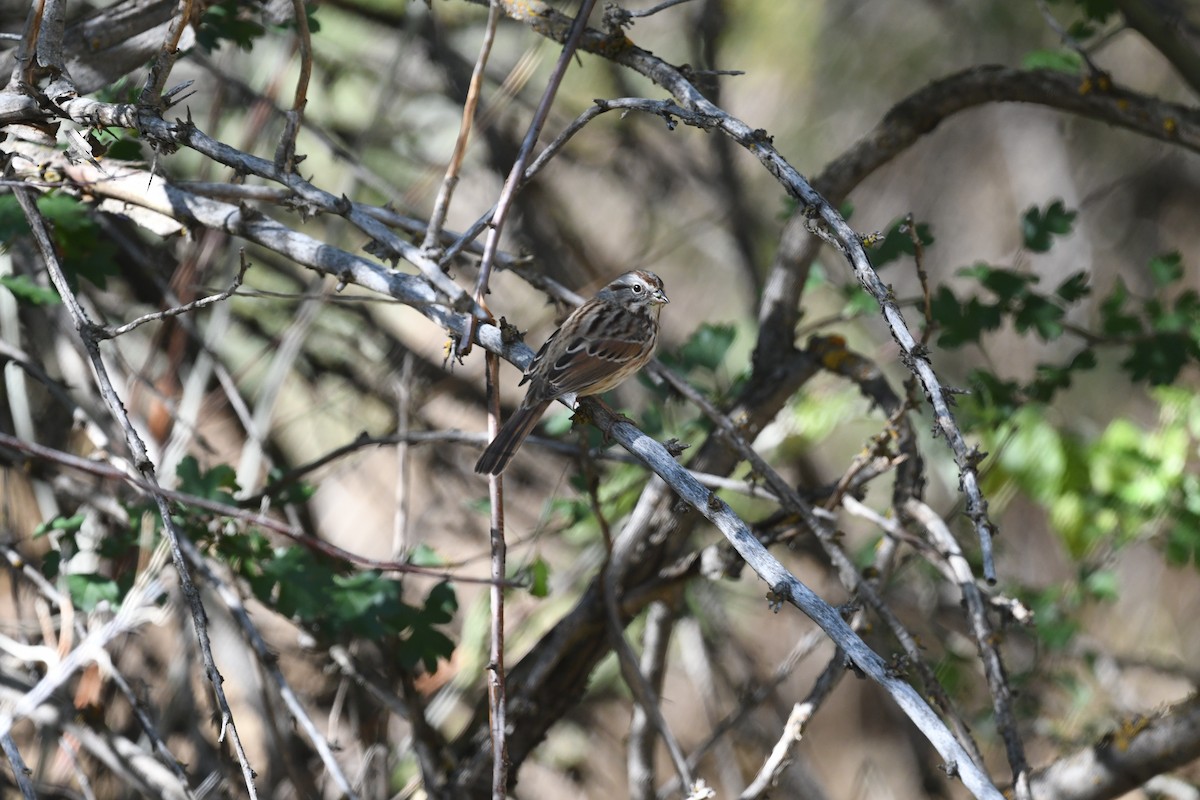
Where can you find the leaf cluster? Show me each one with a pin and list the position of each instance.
(329, 598)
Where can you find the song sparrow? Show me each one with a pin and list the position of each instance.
(603, 342)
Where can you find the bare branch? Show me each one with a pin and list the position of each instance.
(110, 332)
(285, 153)
(442, 205)
(1136, 751)
(141, 461)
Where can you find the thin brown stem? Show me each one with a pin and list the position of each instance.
(285, 153)
(442, 205)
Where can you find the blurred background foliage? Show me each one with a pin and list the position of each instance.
(1061, 297)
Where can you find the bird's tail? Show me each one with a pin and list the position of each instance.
(501, 450)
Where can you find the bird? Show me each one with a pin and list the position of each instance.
(603, 342)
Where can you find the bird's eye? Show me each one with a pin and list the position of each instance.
(637, 288)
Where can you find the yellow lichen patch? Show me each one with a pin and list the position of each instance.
(1123, 736)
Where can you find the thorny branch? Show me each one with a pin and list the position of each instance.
(142, 463)
(1182, 130)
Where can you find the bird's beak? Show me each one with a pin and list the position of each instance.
(660, 297)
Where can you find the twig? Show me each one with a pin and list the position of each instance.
(470, 234)
(139, 607)
(388, 216)
(276, 375)
(780, 757)
(269, 662)
(1067, 39)
(156, 78)
(141, 460)
(285, 153)
(141, 188)
(233, 512)
(793, 729)
(647, 12)
(497, 705)
(785, 587)
(70, 746)
(824, 685)
(442, 205)
(804, 646)
(307, 196)
(427, 742)
(985, 639)
(847, 573)
(50, 50)
(635, 679)
(109, 332)
(20, 772)
(125, 758)
(496, 691)
(23, 63)
(640, 750)
(516, 174)
(697, 665)
(404, 400)
(1121, 761)
(915, 356)
(18, 563)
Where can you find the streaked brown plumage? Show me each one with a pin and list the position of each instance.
(603, 342)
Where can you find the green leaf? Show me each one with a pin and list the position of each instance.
(243, 551)
(1048, 380)
(1086, 359)
(302, 586)
(961, 323)
(990, 392)
(126, 148)
(89, 590)
(706, 348)
(1074, 288)
(1039, 227)
(817, 278)
(85, 252)
(218, 483)
(1081, 29)
(1055, 627)
(1041, 315)
(23, 287)
(1098, 10)
(897, 243)
(310, 14)
(425, 646)
(425, 556)
(1159, 359)
(292, 493)
(858, 301)
(1007, 284)
(1113, 320)
(441, 603)
(51, 564)
(12, 220)
(1166, 269)
(790, 206)
(228, 21)
(1103, 585)
(1058, 60)
(539, 578)
(1183, 545)
(60, 524)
